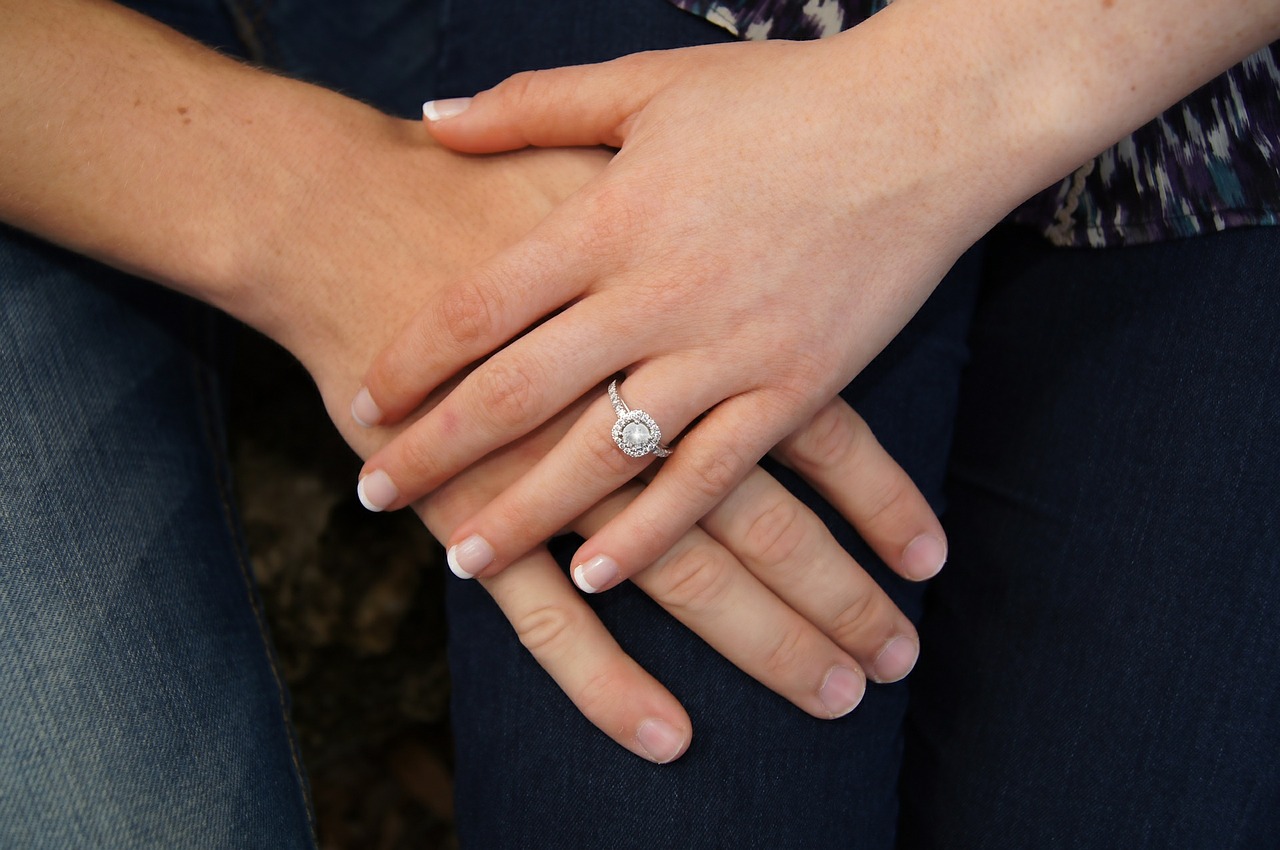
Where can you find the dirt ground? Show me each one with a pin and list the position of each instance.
(354, 604)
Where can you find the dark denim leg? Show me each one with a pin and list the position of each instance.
(1101, 655)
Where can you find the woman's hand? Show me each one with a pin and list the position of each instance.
(765, 230)
(777, 212)
(761, 580)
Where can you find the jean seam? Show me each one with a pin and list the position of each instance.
(210, 415)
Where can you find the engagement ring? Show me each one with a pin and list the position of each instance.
(635, 432)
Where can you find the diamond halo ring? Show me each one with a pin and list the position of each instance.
(635, 432)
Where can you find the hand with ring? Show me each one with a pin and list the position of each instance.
(760, 579)
(734, 321)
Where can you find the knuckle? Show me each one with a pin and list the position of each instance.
(467, 315)
(607, 458)
(828, 440)
(546, 629)
(694, 582)
(888, 501)
(777, 534)
(599, 692)
(510, 393)
(417, 462)
(517, 93)
(712, 474)
(855, 619)
(787, 652)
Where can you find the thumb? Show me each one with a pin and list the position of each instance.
(582, 105)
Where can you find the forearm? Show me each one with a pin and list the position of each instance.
(1027, 90)
(125, 141)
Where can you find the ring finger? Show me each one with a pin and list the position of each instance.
(583, 468)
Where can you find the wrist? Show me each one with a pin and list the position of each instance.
(292, 204)
(1020, 93)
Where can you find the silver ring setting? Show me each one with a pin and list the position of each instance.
(635, 432)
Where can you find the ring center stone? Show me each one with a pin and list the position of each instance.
(635, 434)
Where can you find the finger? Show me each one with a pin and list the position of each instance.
(506, 397)
(563, 633)
(703, 586)
(790, 550)
(473, 316)
(573, 646)
(581, 105)
(583, 468)
(837, 453)
(709, 461)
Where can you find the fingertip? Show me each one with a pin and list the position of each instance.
(895, 661)
(468, 558)
(442, 110)
(377, 491)
(596, 574)
(364, 410)
(923, 557)
(842, 690)
(661, 742)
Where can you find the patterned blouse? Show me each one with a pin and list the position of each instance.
(1209, 163)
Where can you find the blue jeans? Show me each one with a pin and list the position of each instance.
(1099, 658)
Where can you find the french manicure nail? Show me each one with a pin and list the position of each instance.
(376, 491)
(470, 556)
(595, 574)
(660, 741)
(438, 110)
(842, 691)
(365, 410)
(896, 660)
(923, 558)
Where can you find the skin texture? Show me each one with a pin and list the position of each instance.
(671, 269)
(295, 210)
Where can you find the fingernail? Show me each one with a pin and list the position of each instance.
(842, 691)
(659, 740)
(438, 110)
(595, 574)
(923, 558)
(895, 661)
(376, 490)
(470, 556)
(365, 410)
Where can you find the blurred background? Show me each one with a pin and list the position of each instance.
(355, 604)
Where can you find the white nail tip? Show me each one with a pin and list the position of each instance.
(437, 110)
(452, 558)
(364, 500)
(580, 580)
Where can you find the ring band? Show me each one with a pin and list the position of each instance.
(635, 432)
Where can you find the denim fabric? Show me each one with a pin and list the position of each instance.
(1101, 658)
(139, 707)
(139, 703)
